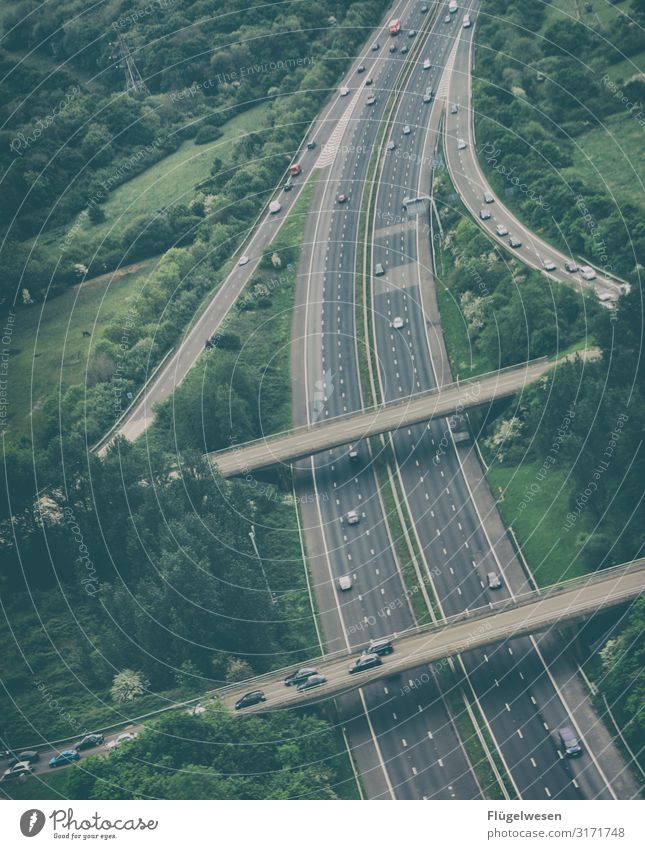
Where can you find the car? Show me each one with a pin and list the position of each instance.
(89, 741)
(411, 33)
(371, 100)
(501, 230)
(461, 144)
(571, 266)
(29, 756)
(310, 683)
(404, 49)
(299, 676)
(275, 206)
(514, 242)
(122, 738)
(454, 108)
(406, 130)
(424, 8)
(369, 81)
(484, 214)
(494, 581)
(344, 91)
(391, 145)
(244, 259)
(342, 199)
(397, 322)
(488, 198)
(353, 453)
(250, 699)
(365, 661)
(65, 757)
(569, 742)
(311, 145)
(427, 98)
(426, 64)
(447, 19)
(376, 46)
(382, 647)
(345, 583)
(549, 265)
(17, 771)
(587, 272)
(392, 48)
(360, 69)
(379, 271)
(353, 518)
(288, 185)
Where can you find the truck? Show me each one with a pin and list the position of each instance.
(295, 169)
(395, 26)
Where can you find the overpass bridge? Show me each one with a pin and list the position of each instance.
(504, 620)
(342, 430)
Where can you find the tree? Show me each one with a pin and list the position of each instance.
(127, 686)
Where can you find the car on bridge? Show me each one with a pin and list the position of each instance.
(381, 646)
(310, 683)
(89, 741)
(255, 697)
(300, 675)
(64, 758)
(365, 661)
(17, 771)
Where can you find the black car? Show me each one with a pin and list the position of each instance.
(311, 682)
(29, 757)
(252, 698)
(360, 69)
(365, 661)
(381, 647)
(300, 676)
(89, 741)
(311, 145)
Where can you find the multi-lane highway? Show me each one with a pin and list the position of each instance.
(408, 748)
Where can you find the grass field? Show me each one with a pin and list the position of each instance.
(612, 157)
(536, 510)
(46, 786)
(48, 349)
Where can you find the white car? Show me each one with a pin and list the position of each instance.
(406, 130)
(488, 198)
(426, 65)
(484, 214)
(587, 272)
(501, 230)
(353, 518)
(243, 260)
(549, 265)
(17, 771)
(461, 144)
(371, 100)
(397, 322)
(454, 109)
(345, 583)
(275, 206)
(122, 738)
(344, 91)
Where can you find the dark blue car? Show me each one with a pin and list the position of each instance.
(65, 757)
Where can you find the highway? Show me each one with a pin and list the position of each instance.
(456, 524)
(471, 184)
(406, 410)
(409, 748)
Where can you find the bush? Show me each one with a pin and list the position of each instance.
(207, 134)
